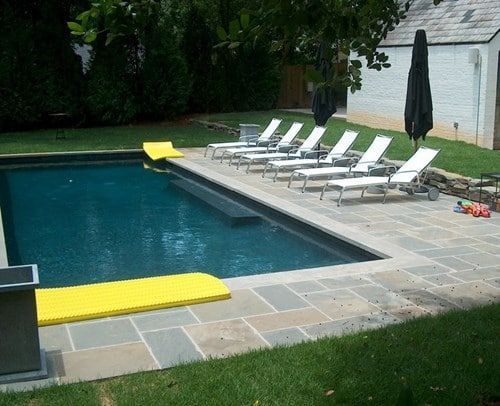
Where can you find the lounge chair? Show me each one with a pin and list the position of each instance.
(323, 157)
(273, 146)
(408, 176)
(263, 139)
(372, 156)
(296, 152)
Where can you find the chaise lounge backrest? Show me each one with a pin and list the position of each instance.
(418, 163)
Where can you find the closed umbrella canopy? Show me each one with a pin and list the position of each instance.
(323, 105)
(418, 108)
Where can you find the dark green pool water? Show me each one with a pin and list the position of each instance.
(104, 222)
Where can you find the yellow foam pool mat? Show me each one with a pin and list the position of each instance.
(84, 302)
(160, 150)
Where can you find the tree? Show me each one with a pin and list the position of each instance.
(349, 27)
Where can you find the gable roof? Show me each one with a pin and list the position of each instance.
(450, 22)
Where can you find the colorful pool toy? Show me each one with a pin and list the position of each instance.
(469, 207)
(84, 302)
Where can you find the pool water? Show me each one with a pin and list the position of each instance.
(104, 222)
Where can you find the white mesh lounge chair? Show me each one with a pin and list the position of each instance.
(372, 156)
(323, 157)
(273, 146)
(296, 152)
(263, 139)
(409, 176)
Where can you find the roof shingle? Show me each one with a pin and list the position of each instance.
(451, 22)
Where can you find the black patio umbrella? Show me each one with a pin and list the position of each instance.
(323, 105)
(418, 108)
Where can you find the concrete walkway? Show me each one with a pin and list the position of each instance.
(433, 260)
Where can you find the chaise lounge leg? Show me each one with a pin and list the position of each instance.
(222, 156)
(339, 201)
(276, 173)
(385, 192)
(265, 170)
(206, 150)
(291, 179)
(363, 192)
(213, 153)
(305, 184)
(239, 162)
(323, 191)
(248, 165)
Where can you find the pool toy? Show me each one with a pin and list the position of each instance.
(161, 150)
(476, 209)
(84, 302)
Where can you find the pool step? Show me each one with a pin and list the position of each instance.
(217, 200)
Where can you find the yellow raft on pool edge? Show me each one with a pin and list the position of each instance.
(160, 150)
(85, 302)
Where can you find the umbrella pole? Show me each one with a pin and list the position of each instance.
(415, 144)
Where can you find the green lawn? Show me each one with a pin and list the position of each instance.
(451, 359)
(100, 138)
(456, 156)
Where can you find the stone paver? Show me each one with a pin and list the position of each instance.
(55, 338)
(344, 282)
(341, 303)
(290, 318)
(280, 297)
(104, 362)
(162, 320)
(305, 286)
(224, 338)
(399, 281)
(242, 303)
(437, 261)
(103, 333)
(469, 294)
(352, 324)
(429, 301)
(382, 298)
(287, 336)
(171, 347)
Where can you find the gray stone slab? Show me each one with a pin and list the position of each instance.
(243, 303)
(55, 338)
(281, 298)
(162, 320)
(287, 336)
(399, 281)
(350, 325)
(291, 318)
(448, 251)
(305, 286)
(224, 338)
(412, 243)
(468, 294)
(340, 303)
(103, 333)
(433, 233)
(454, 263)
(482, 259)
(455, 242)
(171, 347)
(344, 282)
(478, 274)
(429, 301)
(409, 313)
(489, 248)
(382, 298)
(104, 362)
(495, 282)
(480, 229)
(442, 279)
(423, 270)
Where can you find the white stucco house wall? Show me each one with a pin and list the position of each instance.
(464, 47)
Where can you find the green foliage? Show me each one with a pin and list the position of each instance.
(110, 94)
(165, 79)
(39, 72)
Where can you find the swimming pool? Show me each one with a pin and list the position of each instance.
(99, 222)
